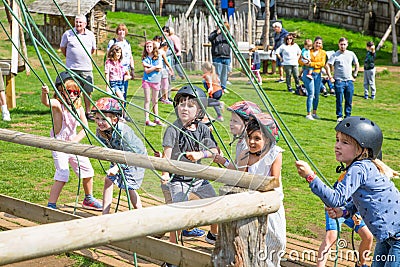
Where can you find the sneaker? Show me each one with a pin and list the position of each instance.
(280, 81)
(309, 76)
(290, 90)
(150, 123)
(220, 118)
(6, 115)
(165, 101)
(366, 97)
(52, 206)
(339, 119)
(195, 232)
(228, 83)
(310, 117)
(226, 91)
(158, 122)
(89, 116)
(332, 92)
(326, 94)
(92, 204)
(372, 97)
(315, 116)
(128, 119)
(211, 238)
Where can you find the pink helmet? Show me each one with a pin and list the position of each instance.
(244, 109)
(267, 125)
(107, 105)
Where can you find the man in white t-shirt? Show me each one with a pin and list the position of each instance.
(342, 62)
(79, 60)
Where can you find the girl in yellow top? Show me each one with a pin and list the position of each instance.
(318, 61)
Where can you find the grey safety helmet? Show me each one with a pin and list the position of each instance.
(365, 132)
(62, 77)
(200, 96)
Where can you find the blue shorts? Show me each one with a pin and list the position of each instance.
(117, 86)
(332, 225)
(278, 62)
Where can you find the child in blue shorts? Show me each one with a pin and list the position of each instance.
(354, 223)
(365, 188)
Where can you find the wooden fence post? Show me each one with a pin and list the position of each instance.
(240, 242)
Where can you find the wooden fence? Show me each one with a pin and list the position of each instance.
(194, 32)
(28, 243)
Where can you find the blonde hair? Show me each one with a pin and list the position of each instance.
(121, 27)
(208, 67)
(69, 84)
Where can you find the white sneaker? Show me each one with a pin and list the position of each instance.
(6, 116)
(310, 117)
(339, 119)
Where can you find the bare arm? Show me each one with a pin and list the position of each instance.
(167, 155)
(64, 50)
(81, 133)
(45, 99)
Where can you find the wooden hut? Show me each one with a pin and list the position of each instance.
(54, 24)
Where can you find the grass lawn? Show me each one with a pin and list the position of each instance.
(27, 172)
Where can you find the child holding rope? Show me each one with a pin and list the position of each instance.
(117, 135)
(180, 143)
(65, 129)
(374, 196)
(264, 157)
(151, 80)
(241, 112)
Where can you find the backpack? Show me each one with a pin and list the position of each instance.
(114, 41)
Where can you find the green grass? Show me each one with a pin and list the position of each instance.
(27, 172)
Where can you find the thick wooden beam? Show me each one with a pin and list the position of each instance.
(27, 243)
(230, 177)
(146, 246)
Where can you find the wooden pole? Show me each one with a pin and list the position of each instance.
(27, 243)
(79, 6)
(230, 177)
(241, 241)
(190, 8)
(395, 57)
(388, 31)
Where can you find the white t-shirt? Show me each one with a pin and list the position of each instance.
(290, 54)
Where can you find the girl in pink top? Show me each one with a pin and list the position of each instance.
(115, 74)
(64, 127)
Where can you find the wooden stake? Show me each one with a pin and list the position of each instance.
(230, 177)
(388, 31)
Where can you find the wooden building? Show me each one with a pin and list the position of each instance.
(54, 24)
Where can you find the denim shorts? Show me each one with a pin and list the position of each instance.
(331, 224)
(117, 86)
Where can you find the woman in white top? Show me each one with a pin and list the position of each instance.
(289, 54)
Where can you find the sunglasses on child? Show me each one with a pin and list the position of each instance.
(74, 92)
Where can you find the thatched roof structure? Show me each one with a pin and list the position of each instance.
(68, 7)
